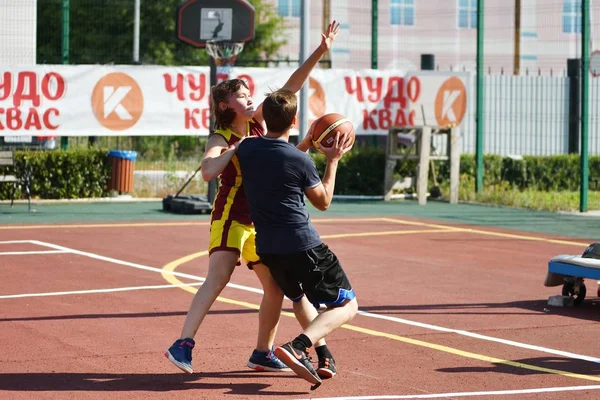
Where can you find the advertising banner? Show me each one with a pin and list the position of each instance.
(95, 100)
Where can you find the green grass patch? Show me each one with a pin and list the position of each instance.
(505, 194)
(142, 165)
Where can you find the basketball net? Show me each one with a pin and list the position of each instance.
(224, 53)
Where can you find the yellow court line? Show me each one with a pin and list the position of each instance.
(443, 228)
(358, 219)
(468, 354)
(154, 224)
(384, 233)
(122, 225)
(169, 277)
(415, 223)
(489, 233)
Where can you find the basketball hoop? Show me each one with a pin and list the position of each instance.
(224, 53)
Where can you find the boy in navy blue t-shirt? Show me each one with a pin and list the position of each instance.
(276, 178)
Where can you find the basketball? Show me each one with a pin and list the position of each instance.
(323, 129)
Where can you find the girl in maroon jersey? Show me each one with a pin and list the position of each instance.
(232, 235)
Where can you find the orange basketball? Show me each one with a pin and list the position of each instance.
(323, 129)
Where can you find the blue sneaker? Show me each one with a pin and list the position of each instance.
(266, 361)
(180, 354)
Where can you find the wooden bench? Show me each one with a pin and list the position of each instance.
(7, 159)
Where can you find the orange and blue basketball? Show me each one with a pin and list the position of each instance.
(323, 130)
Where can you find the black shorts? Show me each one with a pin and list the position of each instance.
(315, 272)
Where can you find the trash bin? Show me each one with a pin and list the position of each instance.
(122, 166)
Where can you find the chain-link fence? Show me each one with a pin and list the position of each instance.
(17, 32)
(532, 54)
(522, 39)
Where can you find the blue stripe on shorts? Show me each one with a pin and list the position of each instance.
(343, 295)
(297, 299)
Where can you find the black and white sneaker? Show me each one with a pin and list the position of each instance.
(299, 362)
(326, 368)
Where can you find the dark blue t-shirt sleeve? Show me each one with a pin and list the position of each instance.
(312, 177)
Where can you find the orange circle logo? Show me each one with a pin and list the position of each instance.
(117, 101)
(451, 102)
(317, 101)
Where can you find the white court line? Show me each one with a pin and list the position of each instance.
(92, 291)
(18, 253)
(466, 394)
(139, 266)
(23, 253)
(482, 337)
(362, 313)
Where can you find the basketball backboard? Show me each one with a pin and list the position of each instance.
(226, 20)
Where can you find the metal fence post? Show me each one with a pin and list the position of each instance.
(374, 46)
(585, 105)
(212, 185)
(424, 153)
(454, 155)
(374, 33)
(517, 57)
(66, 10)
(574, 74)
(136, 32)
(480, 103)
(304, 53)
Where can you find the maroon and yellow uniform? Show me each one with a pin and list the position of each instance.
(231, 227)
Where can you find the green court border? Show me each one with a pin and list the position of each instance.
(559, 224)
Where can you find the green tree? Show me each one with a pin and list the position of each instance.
(270, 28)
(101, 32)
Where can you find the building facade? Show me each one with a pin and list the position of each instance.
(548, 34)
(18, 32)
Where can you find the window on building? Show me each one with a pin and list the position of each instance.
(467, 14)
(288, 8)
(571, 16)
(402, 12)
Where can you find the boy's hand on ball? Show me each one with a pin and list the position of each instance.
(307, 140)
(341, 145)
(348, 142)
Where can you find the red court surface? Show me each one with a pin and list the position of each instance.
(446, 311)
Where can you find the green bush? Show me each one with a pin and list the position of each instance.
(359, 172)
(84, 173)
(61, 174)
(547, 173)
(155, 148)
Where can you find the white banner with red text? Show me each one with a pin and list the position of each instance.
(96, 100)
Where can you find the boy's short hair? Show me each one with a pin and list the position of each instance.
(279, 109)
